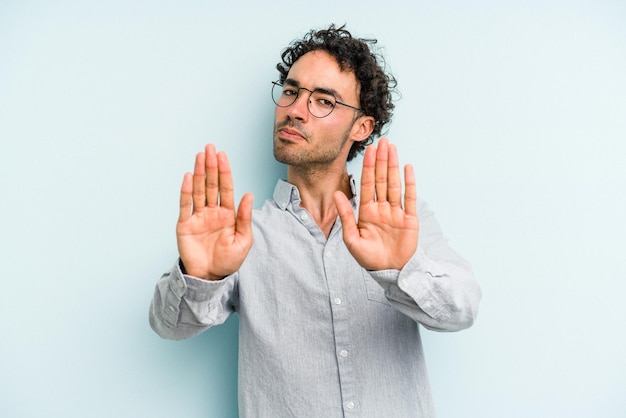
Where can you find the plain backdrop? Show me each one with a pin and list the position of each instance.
(512, 113)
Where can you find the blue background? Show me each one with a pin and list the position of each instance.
(513, 114)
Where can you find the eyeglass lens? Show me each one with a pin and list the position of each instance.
(320, 103)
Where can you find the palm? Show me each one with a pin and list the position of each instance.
(387, 238)
(386, 234)
(213, 239)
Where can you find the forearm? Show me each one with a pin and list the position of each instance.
(184, 306)
(441, 295)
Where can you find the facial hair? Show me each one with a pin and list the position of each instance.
(324, 153)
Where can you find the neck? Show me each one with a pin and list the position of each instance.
(316, 187)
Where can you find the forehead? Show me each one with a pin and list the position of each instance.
(319, 69)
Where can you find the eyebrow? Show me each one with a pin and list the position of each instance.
(292, 82)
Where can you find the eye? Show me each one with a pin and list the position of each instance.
(290, 91)
(326, 103)
(324, 100)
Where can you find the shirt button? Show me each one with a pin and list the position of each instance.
(343, 353)
(337, 301)
(172, 308)
(329, 253)
(428, 305)
(304, 217)
(350, 405)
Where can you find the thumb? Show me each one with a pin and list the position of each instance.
(346, 214)
(244, 215)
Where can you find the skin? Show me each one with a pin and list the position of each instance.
(214, 237)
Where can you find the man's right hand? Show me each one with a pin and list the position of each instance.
(213, 239)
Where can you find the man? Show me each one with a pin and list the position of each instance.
(328, 306)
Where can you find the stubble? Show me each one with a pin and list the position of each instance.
(323, 152)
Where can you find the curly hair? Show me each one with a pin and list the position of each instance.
(356, 55)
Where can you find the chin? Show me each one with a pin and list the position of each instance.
(283, 157)
(279, 152)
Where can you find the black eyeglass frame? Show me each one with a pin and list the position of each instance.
(281, 85)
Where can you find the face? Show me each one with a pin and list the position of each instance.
(301, 139)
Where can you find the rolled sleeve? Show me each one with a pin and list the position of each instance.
(183, 306)
(440, 295)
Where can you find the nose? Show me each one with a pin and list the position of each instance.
(300, 108)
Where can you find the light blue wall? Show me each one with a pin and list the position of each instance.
(513, 115)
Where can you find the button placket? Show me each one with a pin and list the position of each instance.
(333, 257)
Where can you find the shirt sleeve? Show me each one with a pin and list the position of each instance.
(183, 306)
(436, 287)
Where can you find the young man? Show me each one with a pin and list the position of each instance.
(331, 290)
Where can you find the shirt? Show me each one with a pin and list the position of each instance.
(319, 336)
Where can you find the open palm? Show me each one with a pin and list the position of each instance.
(213, 239)
(386, 234)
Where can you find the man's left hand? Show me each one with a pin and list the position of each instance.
(385, 236)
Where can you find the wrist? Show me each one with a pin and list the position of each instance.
(197, 274)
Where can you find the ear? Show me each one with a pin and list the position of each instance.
(362, 128)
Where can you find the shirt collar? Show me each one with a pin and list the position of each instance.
(285, 192)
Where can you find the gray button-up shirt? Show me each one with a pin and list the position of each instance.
(319, 335)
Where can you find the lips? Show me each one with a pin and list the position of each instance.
(290, 133)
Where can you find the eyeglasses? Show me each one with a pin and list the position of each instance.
(321, 102)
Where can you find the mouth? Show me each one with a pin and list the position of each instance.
(287, 131)
(290, 134)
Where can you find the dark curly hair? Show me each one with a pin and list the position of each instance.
(353, 54)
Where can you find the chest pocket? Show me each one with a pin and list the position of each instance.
(375, 292)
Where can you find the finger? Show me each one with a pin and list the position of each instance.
(410, 194)
(212, 176)
(226, 190)
(346, 214)
(244, 215)
(394, 184)
(382, 155)
(368, 183)
(199, 173)
(185, 197)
